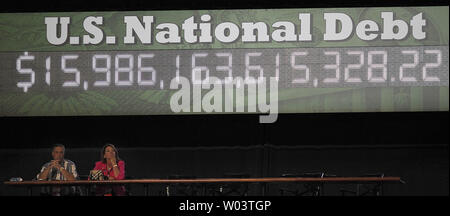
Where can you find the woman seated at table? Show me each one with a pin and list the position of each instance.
(113, 168)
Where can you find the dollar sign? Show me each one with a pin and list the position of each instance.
(25, 85)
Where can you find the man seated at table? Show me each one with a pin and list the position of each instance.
(58, 169)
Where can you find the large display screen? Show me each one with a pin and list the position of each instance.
(133, 63)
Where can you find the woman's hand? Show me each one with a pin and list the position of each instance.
(113, 161)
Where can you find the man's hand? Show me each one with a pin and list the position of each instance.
(55, 164)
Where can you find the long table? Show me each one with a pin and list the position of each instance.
(263, 181)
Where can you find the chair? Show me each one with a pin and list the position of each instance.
(232, 188)
(90, 190)
(128, 186)
(308, 189)
(366, 189)
(82, 190)
(181, 189)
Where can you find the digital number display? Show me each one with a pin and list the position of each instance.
(120, 63)
(294, 68)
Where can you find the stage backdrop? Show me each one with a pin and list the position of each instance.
(413, 146)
